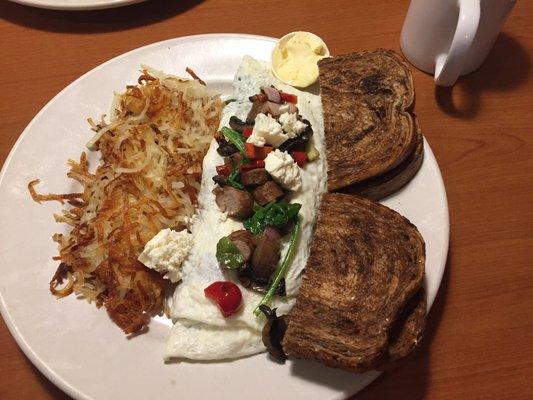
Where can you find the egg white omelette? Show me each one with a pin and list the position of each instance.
(200, 332)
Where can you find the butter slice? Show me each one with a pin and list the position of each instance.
(295, 58)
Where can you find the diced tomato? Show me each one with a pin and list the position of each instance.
(262, 152)
(289, 98)
(247, 132)
(300, 158)
(253, 164)
(223, 170)
(226, 295)
(250, 150)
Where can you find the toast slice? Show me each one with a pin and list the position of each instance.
(393, 180)
(367, 99)
(366, 263)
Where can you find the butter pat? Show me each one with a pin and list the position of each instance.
(295, 58)
(166, 251)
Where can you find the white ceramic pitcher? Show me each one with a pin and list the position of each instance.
(450, 38)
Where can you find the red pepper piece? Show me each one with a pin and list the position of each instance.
(250, 150)
(226, 295)
(257, 153)
(223, 170)
(289, 98)
(253, 164)
(262, 152)
(300, 158)
(247, 132)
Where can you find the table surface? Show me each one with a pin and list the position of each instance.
(479, 341)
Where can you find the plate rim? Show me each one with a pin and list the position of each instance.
(29, 352)
(83, 5)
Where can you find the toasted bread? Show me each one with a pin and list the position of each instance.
(366, 263)
(393, 180)
(367, 98)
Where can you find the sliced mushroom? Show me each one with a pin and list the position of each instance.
(273, 333)
(225, 148)
(220, 180)
(298, 142)
(239, 125)
(249, 281)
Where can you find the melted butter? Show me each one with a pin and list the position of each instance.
(295, 58)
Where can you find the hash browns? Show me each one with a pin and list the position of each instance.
(148, 179)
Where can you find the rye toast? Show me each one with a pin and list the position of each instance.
(390, 182)
(366, 263)
(367, 99)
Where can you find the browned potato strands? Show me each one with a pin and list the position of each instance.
(151, 165)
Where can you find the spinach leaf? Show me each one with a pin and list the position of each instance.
(235, 138)
(228, 255)
(281, 269)
(274, 214)
(235, 176)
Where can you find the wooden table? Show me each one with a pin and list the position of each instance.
(479, 342)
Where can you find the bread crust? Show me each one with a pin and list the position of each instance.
(407, 334)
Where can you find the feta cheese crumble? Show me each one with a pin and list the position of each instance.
(266, 131)
(283, 170)
(166, 251)
(291, 125)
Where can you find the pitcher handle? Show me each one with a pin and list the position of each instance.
(448, 66)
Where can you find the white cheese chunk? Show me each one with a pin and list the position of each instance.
(166, 251)
(266, 131)
(283, 170)
(291, 125)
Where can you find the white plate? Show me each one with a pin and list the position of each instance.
(75, 345)
(76, 4)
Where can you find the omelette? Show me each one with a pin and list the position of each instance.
(200, 332)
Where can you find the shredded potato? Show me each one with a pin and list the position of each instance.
(148, 179)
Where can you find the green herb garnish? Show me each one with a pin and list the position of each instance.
(228, 254)
(281, 269)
